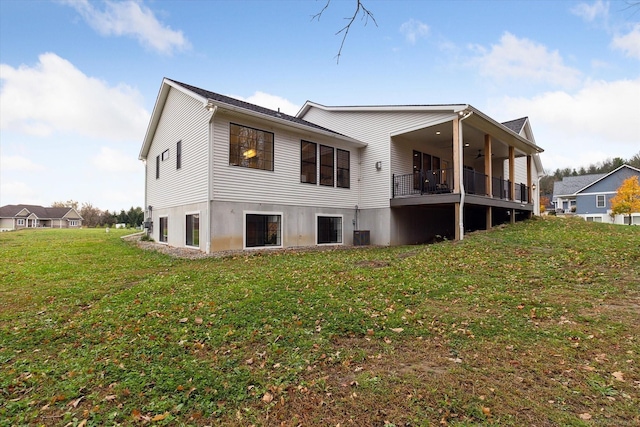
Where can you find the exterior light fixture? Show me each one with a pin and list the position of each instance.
(378, 165)
(209, 105)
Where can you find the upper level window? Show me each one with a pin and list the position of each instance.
(343, 169)
(600, 201)
(165, 154)
(250, 148)
(308, 162)
(326, 165)
(178, 154)
(157, 167)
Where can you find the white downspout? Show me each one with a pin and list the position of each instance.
(213, 109)
(461, 177)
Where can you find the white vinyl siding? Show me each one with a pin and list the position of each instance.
(375, 128)
(183, 119)
(282, 185)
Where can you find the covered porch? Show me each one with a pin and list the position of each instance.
(479, 170)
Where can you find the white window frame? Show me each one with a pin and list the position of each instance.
(185, 228)
(165, 155)
(160, 230)
(594, 218)
(74, 223)
(264, 213)
(20, 222)
(604, 201)
(341, 242)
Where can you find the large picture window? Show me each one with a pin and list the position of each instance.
(326, 165)
(250, 148)
(193, 230)
(308, 162)
(329, 230)
(343, 168)
(164, 229)
(263, 230)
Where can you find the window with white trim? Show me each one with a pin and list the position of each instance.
(594, 219)
(263, 230)
(192, 231)
(163, 233)
(329, 229)
(600, 201)
(20, 221)
(74, 223)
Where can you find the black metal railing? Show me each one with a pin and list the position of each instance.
(438, 181)
(441, 181)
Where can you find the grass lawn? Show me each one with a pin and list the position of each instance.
(534, 324)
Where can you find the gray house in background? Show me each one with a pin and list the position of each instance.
(15, 217)
(589, 196)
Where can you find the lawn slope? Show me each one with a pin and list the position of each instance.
(536, 323)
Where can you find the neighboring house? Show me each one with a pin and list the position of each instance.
(589, 196)
(15, 217)
(225, 174)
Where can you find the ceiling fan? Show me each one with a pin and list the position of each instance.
(479, 154)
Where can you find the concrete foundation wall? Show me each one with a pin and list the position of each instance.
(298, 223)
(177, 223)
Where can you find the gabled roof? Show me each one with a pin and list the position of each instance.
(516, 125)
(41, 212)
(570, 185)
(226, 102)
(606, 175)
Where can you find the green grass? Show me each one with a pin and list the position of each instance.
(530, 324)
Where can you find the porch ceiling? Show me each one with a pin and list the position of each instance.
(441, 137)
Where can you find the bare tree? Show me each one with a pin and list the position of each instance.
(68, 204)
(360, 10)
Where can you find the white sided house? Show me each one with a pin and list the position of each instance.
(223, 174)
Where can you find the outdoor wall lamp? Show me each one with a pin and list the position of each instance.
(378, 165)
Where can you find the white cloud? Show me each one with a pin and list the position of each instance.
(19, 163)
(524, 60)
(272, 102)
(413, 30)
(54, 96)
(629, 43)
(17, 192)
(131, 18)
(590, 12)
(598, 121)
(110, 160)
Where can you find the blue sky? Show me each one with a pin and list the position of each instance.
(78, 79)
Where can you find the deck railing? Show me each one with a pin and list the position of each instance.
(441, 181)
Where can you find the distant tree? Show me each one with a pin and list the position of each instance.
(122, 217)
(107, 219)
(68, 204)
(135, 217)
(634, 161)
(90, 215)
(627, 200)
(544, 202)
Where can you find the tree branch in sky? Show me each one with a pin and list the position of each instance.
(360, 9)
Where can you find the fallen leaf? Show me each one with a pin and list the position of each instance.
(397, 330)
(198, 320)
(160, 417)
(82, 423)
(110, 397)
(75, 402)
(585, 416)
(183, 320)
(618, 375)
(486, 411)
(267, 398)
(135, 414)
